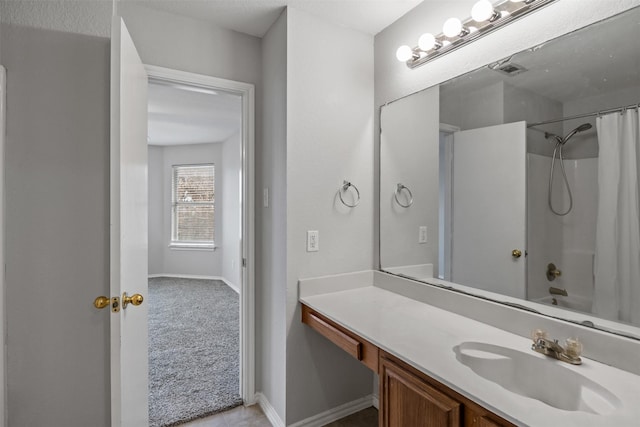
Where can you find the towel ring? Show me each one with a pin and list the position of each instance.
(344, 188)
(399, 189)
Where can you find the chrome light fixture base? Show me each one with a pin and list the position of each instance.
(505, 12)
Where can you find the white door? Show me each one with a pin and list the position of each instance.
(129, 212)
(489, 208)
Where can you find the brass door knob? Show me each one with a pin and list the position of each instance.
(135, 299)
(516, 253)
(102, 302)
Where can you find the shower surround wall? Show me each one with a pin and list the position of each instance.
(567, 241)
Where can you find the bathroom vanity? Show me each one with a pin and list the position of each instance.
(409, 397)
(440, 368)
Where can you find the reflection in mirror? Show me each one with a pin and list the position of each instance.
(524, 177)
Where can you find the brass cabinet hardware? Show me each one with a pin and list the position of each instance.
(102, 302)
(552, 272)
(516, 253)
(135, 299)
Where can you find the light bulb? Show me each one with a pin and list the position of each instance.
(428, 41)
(404, 53)
(452, 27)
(482, 11)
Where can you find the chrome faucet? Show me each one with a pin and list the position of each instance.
(570, 353)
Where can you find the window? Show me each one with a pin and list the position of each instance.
(192, 210)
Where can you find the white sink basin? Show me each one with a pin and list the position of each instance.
(540, 378)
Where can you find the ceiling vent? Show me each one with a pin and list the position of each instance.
(508, 68)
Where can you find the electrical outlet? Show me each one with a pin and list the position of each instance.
(313, 241)
(422, 234)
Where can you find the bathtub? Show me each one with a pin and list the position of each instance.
(571, 302)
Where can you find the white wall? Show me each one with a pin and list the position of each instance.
(156, 209)
(473, 109)
(329, 139)
(228, 210)
(57, 227)
(409, 145)
(182, 261)
(271, 221)
(186, 44)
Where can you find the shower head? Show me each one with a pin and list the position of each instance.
(581, 128)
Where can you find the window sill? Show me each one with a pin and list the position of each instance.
(182, 246)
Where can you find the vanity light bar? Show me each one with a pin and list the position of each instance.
(485, 18)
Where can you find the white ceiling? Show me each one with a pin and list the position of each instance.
(184, 115)
(254, 17)
(601, 59)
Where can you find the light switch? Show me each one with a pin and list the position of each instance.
(422, 234)
(313, 241)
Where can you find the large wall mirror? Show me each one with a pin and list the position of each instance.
(520, 181)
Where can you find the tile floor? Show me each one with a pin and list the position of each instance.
(253, 417)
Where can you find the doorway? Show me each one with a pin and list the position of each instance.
(201, 228)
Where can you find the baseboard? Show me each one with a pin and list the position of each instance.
(269, 411)
(376, 402)
(231, 285)
(185, 276)
(193, 276)
(335, 414)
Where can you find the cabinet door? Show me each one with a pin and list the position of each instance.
(409, 401)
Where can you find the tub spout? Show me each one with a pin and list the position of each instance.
(558, 291)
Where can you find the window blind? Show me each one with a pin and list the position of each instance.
(193, 209)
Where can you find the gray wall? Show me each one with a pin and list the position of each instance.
(271, 221)
(329, 139)
(57, 227)
(57, 123)
(168, 260)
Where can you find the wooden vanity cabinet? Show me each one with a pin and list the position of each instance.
(407, 400)
(408, 397)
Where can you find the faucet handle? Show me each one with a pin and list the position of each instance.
(536, 334)
(573, 347)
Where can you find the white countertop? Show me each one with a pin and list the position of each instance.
(424, 336)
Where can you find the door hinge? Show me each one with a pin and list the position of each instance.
(244, 262)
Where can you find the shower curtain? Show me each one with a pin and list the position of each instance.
(617, 259)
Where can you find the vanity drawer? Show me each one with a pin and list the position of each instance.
(356, 346)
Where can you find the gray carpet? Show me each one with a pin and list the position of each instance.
(193, 349)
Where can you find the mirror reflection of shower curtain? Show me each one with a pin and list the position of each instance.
(617, 260)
